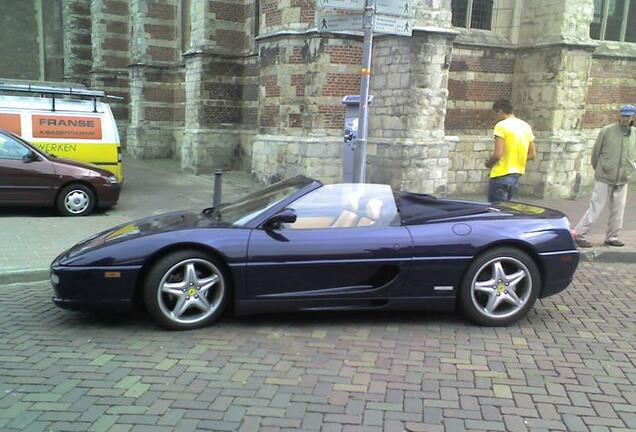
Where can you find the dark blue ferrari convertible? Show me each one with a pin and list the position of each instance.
(299, 245)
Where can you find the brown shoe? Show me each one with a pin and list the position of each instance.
(582, 243)
(616, 243)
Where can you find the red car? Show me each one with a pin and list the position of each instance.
(30, 177)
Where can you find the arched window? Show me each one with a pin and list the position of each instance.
(476, 14)
(614, 20)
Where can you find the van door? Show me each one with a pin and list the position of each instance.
(24, 181)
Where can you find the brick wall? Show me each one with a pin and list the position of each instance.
(477, 78)
(78, 55)
(612, 83)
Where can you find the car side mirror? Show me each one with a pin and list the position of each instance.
(30, 157)
(284, 216)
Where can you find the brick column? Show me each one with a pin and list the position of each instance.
(110, 56)
(156, 80)
(221, 87)
(76, 16)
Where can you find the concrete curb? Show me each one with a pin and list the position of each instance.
(588, 255)
(22, 276)
(609, 256)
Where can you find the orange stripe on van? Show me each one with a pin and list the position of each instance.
(11, 122)
(69, 127)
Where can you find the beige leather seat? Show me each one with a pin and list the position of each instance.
(373, 212)
(348, 217)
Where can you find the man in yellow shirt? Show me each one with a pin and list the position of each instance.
(514, 146)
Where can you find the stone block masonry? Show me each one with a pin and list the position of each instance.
(252, 85)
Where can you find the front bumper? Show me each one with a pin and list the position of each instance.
(106, 289)
(108, 194)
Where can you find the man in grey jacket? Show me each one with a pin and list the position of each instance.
(614, 162)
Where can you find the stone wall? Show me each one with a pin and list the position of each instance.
(407, 145)
(478, 77)
(78, 54)
(221, 87)
(156, 73)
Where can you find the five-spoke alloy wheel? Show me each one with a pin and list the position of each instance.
(500, 287)
(186, 290)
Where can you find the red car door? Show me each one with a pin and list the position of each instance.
(26, 178)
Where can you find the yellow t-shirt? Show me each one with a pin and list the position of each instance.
(517, 136)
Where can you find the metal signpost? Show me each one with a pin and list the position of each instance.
(380, 16)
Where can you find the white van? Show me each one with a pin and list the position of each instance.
(77, 129)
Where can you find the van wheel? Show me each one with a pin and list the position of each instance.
(75, 200)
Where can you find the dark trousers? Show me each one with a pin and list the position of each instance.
(503, 188)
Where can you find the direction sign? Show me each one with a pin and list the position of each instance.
(402, 8)
(328, 23)
(393, 25)
(356, 5)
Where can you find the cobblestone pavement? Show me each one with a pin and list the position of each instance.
(571, 365)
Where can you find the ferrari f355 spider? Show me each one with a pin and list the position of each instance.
(300, 245)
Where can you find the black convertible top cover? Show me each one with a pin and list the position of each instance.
(419, 208)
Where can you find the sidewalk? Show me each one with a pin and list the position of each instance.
(31, 238)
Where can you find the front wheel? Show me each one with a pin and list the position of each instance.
(76, 200)
(500, 287)
(186, 290)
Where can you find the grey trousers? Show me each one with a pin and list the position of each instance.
(616, 195)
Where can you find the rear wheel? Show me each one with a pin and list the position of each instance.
(75, 200)
(186, 290)
(500, 287)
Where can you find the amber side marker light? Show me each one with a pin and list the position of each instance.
(112, 275)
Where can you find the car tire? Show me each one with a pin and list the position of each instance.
(75, 200)
(186, 290)
(500, 286)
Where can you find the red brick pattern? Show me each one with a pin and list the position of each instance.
(333, 115)
(612, 83)
(344, 54)
(297, 56)
(162, 32)
(482, 64)
(161, 10)
(295, 121)
(116, 7)
(298, 81)
(608, 94)
(229, 11)
(273, 15)
(269, 116)
(272, 89)
(464, 119)
(341, 84)
(307, 10)
(479, 90)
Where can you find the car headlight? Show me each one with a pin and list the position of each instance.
(55, 280)
(111, 179)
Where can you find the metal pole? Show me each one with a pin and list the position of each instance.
(216, 198)
(360, 159)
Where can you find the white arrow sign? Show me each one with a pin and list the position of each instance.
(330, 23)
(356, 5)
(393, 25)
(402, 8)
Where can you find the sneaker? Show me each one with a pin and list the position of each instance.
(581, 242)
(614, 242)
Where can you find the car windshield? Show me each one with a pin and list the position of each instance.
(241, 212)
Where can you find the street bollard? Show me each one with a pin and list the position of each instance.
(216, 198)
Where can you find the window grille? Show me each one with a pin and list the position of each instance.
(614, 20)
(476, 14)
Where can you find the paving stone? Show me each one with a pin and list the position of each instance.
(551, 371)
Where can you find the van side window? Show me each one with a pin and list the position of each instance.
(11, 149)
